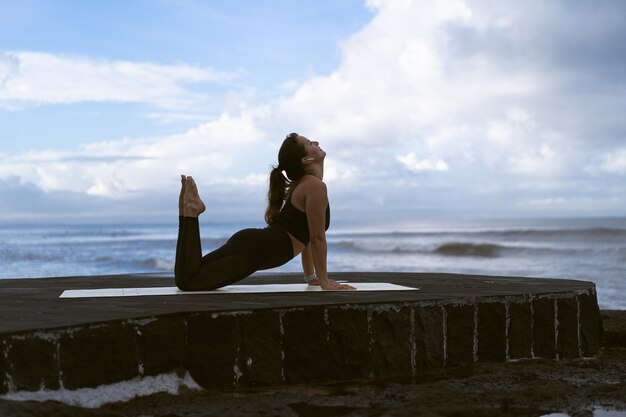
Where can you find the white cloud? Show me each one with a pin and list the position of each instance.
(574, 204)
(614, 162)
(340, 172)
(42, 78)
(217, 152)
(484, 93)
(540, 162)
(412, 163)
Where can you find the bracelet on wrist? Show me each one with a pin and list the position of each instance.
(311, 277)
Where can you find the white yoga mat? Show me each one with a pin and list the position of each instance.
(231, 289)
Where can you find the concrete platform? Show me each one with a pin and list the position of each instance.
(251, 339)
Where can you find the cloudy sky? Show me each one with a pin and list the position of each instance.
(455, 108)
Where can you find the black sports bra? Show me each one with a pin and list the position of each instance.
(296, 223)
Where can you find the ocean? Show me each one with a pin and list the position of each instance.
(586, 249)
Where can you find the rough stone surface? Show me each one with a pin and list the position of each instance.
(162, 344)
(512, 389)
(543, 328)
(212, 344)
(491, 332)
(349, 341)
(567, 340)
(240, 340)
(34, 304)
(460, 335)
(391, 343)
(33, 363)
(305, 343)
(614, 328)
(590, 324)
(95, 355)
(260, 356)
(3, 368)
(520, 332)
(429, 342)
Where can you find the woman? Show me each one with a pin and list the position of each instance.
(297, 215)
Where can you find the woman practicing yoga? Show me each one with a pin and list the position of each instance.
(297, 215)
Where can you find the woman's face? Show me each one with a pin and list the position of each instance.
(312, 149)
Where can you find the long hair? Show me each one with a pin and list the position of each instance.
(289, 160)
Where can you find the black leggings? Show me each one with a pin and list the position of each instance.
(247, 251)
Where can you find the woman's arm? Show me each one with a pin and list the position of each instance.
(316, 201)
(307, 261)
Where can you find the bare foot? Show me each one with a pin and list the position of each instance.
(314, 282)
(192, 203)
(181, 197)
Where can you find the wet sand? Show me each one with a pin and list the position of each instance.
(524, 388)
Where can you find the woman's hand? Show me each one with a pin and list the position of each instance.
(334, 285)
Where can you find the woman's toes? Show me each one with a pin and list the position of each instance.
(191, 186)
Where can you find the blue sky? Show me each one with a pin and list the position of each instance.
(265, 45)
(456, 108)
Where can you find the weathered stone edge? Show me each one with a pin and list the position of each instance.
(412, 341)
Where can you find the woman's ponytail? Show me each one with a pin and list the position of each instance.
(275, 195)
(289, 160)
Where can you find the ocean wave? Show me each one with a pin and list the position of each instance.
(91, 233)
(449, 248)
(8, 255)
(104, 259)
(156, 264)
(462, 248)
(483, 250)
(148, 264)
(138, 239)
(494, 250)
(594, 233)
(584, 233)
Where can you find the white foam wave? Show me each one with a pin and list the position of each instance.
(112, 393)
